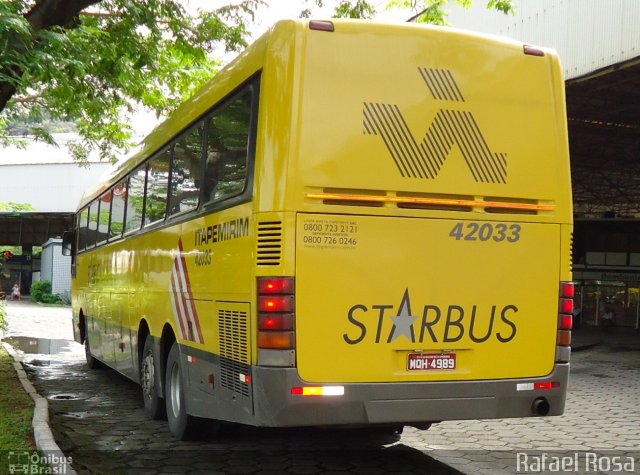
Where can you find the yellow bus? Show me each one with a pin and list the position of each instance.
(352, 224)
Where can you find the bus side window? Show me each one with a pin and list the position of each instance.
(82, 229)
(186, 170)
(227, 149)
(135, 201)
(118, 206)
(104, 217)
(92, 228)
(155, 207)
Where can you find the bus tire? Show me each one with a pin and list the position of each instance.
(92, 363)
(150, 381)
(182, 425)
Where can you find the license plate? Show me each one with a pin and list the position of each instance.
(431, 361)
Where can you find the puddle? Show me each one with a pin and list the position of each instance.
(75, 415)
(40, 363)
(64, 397)
(38, 346)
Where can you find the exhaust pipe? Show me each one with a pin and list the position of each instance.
(540, 406)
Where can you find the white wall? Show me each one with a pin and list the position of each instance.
(55, 267)
(588, 34)
(52, 187)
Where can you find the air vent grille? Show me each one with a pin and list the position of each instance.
(234, 357)
(431, 201)
(269, 250)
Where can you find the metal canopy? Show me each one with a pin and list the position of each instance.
(603, 112)
(32, 229)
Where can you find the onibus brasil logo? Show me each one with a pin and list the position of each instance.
(450, 127)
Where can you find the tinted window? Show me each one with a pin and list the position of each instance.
(92, 231)
(155, 206)
(227, 149)
(186, 172)
(82, 229)
(118, 206)
(135, 200)
(103, 218)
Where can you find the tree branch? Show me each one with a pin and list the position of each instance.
(43, 15)
(48, 13)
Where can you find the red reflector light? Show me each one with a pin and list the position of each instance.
(546, 385)
(275, 285)
(567, 290)
(296, 391)
(566, 306)
(321, 25)
(565, 322)
(275, 303)
(276, 340)
(275, 321)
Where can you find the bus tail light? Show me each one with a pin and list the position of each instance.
(276, 321)
(318, 391)
(275, 303)
(565, 321)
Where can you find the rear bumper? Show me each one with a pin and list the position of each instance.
(400, 403)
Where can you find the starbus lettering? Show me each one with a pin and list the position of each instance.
(235, 228)
(434, 323)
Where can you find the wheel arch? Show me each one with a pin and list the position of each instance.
(82, 326)
(167, 340)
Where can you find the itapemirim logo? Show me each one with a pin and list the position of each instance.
(449, 127)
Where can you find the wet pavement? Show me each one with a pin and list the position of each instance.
(98, 419)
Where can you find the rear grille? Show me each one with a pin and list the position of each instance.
(234, 356)
(269, 249)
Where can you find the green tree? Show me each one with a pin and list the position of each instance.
(423, 11)
(11, 207)
(91, 61)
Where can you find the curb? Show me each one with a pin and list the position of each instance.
(45, 443)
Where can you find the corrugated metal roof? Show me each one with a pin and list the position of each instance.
(48, 187)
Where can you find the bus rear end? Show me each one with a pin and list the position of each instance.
(428, 194)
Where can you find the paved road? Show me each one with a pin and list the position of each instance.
(97, 418)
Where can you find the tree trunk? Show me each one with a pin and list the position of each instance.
(43, 15)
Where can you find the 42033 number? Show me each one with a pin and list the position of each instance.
(498, 232)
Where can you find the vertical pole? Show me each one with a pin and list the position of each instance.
(597, 303)
(638, 311)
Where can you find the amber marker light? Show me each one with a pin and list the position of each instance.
(430, 201)
(276, 340)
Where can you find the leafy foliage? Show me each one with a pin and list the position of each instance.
(91, 62)
(3, 314)
(97, 67)
(41, 292)
(432, 11)
(11, 207)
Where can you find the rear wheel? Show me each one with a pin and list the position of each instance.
(150, 382)
(182, 425)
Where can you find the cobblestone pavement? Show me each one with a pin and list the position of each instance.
(98, 420)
